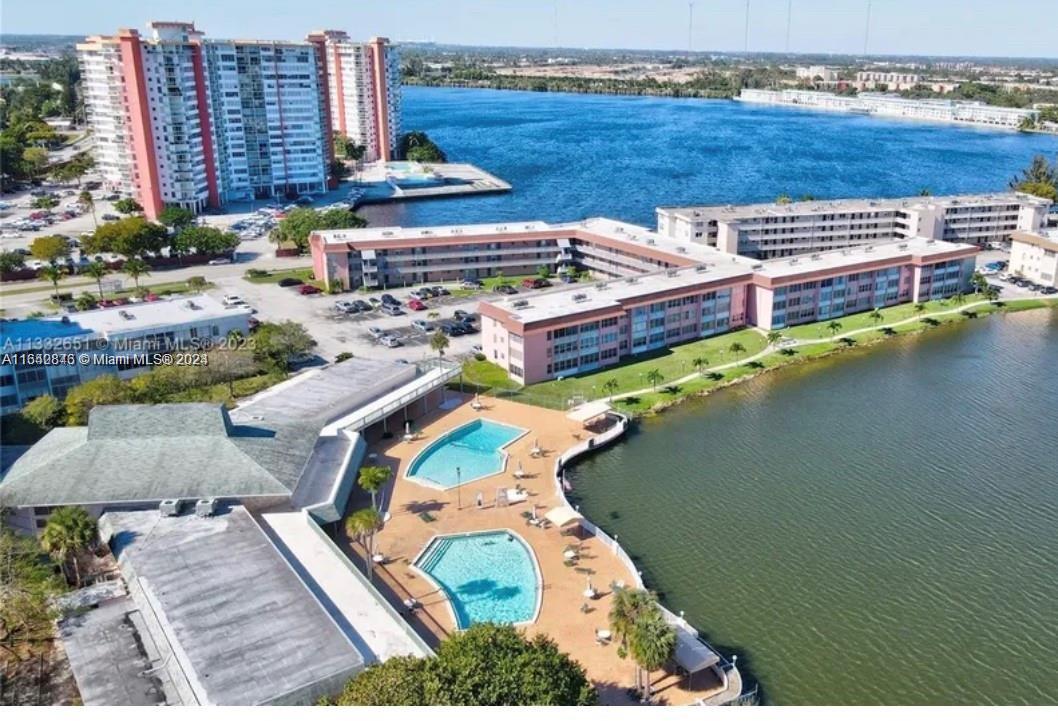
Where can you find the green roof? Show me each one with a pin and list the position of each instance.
(147, 453)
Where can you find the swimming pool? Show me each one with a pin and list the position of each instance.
(464, 454)
(487, 576)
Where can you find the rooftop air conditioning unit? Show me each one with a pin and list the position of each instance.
(868, 249)
(205, 507)
(681, 249)
(816, 256)
(671, 272)
(601, 286)
(793, 261)
(650, 241)
(701, 268)
(170, 507)
(757, 266)
(520, 303)
(125, 314)
(902, 246)
(387, 233)
(631, 281)
(580, 297)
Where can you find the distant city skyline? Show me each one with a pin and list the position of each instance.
(897, 27)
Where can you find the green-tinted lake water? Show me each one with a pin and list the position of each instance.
(880, 527)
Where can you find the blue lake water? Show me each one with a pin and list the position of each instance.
(571, 156)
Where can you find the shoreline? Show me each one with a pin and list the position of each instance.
(659, 407)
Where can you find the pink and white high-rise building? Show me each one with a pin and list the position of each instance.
(192, 122)
(363, 90)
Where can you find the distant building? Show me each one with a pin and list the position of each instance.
(895, 106)
(1034, 256)
(813, 73)
(769, 230)
(363, 90)
(182, 120)
(106, 340)
(871, 79)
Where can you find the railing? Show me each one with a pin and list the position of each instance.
(447, 371)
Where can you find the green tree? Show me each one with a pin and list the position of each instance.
(49, 248)
(53, 273)
(737, 349)
(196, 283)
(44, 411)
(134, 268)
(979, 281)
(203, 239)
(834, 326)
(628, 605)
(372, 479)
(45, 202)
(397, 682)
(1039, 179)
(27, 582)
(127, 206)
(493, 665)
(439, 342)
(991, 293)
(97, 270)
(35, 161)
(85, 198)
(103, 390)
(610, 386)
(417, 147)
(773, 337)
(543, 272)
(338, 169)
(175, 217)
(69, 532)
(299, 223)
(783, 199)
(654, 377)
(10, 261)
(700, 363)
(652, 643)
(919, 307)
(128, 237)
(876, 316)
(275, 344)
(361, 526)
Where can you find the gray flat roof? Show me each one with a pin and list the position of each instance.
(244, 627)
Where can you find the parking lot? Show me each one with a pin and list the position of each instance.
(337, 332)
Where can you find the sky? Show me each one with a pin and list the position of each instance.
(912, 27)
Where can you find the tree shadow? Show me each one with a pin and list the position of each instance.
(787, 352)
(756, 364)
(715, 376)
(887, 331)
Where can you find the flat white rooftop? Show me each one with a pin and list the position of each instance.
(395, 233)
(808, 207)
(113, 322)
(895, 252)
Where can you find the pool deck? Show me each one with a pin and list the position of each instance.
(565, 614)
(475, 181)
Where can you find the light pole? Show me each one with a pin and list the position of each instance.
(459, 489)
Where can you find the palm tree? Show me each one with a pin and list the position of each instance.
(833, 326)
(958, 298)
(628, 605)
(362, 526)
(85, 199)
(53, 273)
(991, 292)
(652, 643)
(69, 531)
(978, 280)
(372, 479)
(654, 377)
(737, 349)
(773, 337)
(438, 342)
(919, 307)
(876, 316)
(97, 270)
(134, 268)
(610, 386)
(700, 364)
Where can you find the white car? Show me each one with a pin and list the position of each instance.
(389, 341)
(233, 299)
(376, 332)
(220, 261)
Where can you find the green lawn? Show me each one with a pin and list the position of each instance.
(481, 376)
(274, 276)
(893, 314)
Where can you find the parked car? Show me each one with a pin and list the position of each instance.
(388, 299)
(506, 289)
(536, 283)
(362, 305)
(375, 302)
(470, 285)
(1049, 290)
(392, 310)
(376, 332)
(439, 290)
(345, 306)
(424, 325)
(460, 314)
(290, 283)
(418, 295)
(477, 348)
(109, 217)
(426, 292)
(233, 299)
(220, 261)
(389, 341)
(307, 289)
(416, 304)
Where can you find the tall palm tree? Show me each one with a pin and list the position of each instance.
(85, 199)
(991, 292)
(372, 479)
(958, 298)
(978, 280)
(362, 526)
(438, 342)
(97, 269)
(628, 605)
(737, 349)
(833, 326)
(652, 644)
(654, 377)
(876, 316)
(134, 268)
(919, 307)
(610, 386)
(773, 337)
(53, 273)
(69, 531)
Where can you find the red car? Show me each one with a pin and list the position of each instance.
(307, 289)
(416, 304)
(535, 283)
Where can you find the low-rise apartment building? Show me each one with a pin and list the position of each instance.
(1034, 256)
(582, 328)
(770, 230)
(51, 355)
